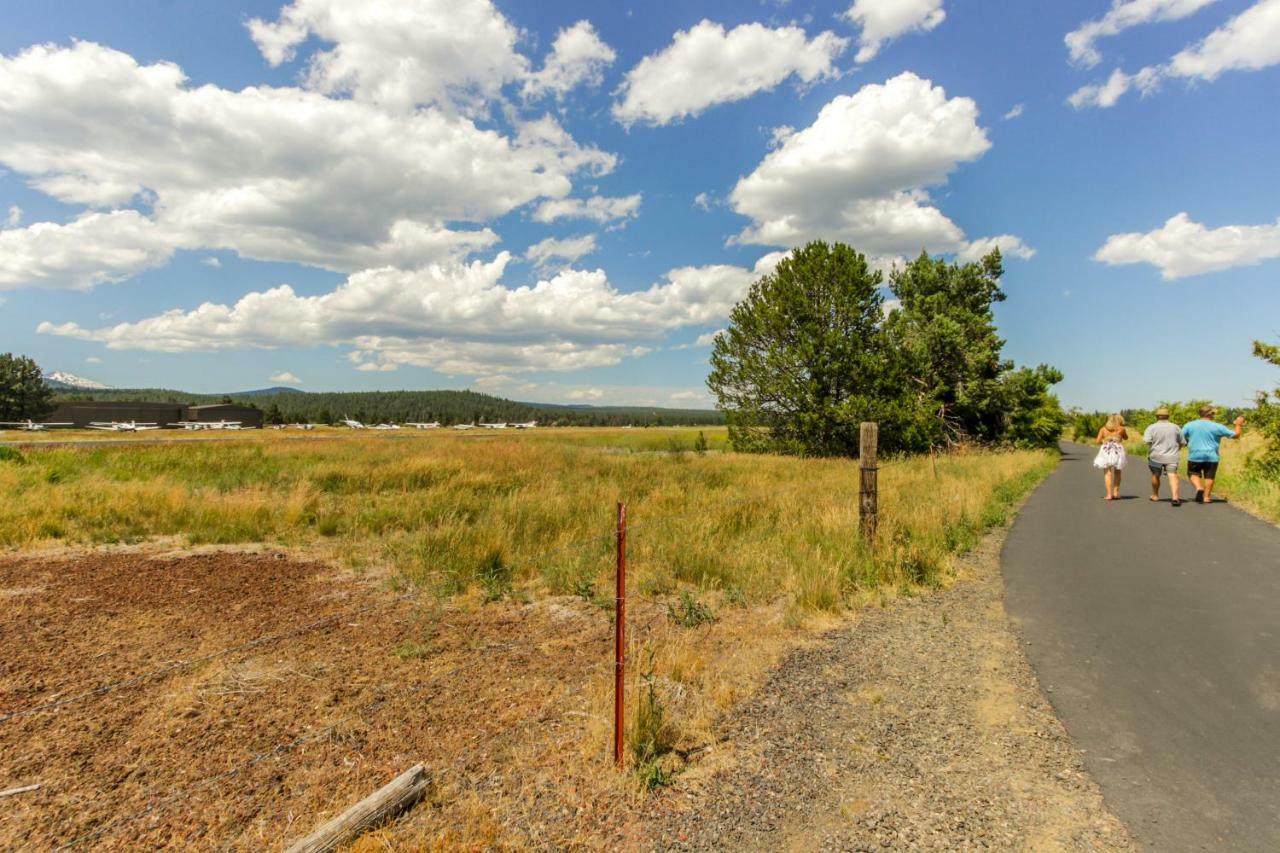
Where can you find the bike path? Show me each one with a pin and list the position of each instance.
(1155, 632)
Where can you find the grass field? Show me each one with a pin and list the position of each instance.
(527, 513)
(733, 559)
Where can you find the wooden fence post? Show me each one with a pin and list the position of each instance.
(620, 637)
(868, 493)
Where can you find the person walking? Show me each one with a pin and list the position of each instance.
(1203, 437)
(1111, 456)
(1164, 441)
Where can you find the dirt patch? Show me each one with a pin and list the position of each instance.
(249, 749)
(916, 726)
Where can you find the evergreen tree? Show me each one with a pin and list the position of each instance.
(23, 392)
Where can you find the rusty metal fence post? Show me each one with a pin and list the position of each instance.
(868, 489)
(620, 637)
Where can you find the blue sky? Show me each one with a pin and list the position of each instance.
(559, 200)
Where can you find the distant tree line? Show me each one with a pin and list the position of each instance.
(447, 407)
(815, 348)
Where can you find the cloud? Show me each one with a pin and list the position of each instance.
(286, 376)
(592, 394)
(1248, 42)
(397, 54)
(454, 318)
(1123, 15)
(93, 359)
(273, 174)
(1182, 247)
(95, 248)
(1015, 112)
(1008, 244)
(702, 200)
(570, 249)
(578, 56)
(884, 20)
(858, 174)
(707, 65)
(211, 261)
(1107, 94)
(597, 208)
(688, 396)
(14, 217)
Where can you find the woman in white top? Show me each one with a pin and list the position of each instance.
(1111, 455)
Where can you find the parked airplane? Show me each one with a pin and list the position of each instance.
(353, 424)
(464, 426)
(199, 425)
(529, 425)
(387, 426)
(31, 426)
(304, 426)
(125, 426)
(494, 426)
(432, 425)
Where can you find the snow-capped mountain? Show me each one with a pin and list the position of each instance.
(62, 379)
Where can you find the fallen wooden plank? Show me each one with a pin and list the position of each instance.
(385, 803)
(24, 789)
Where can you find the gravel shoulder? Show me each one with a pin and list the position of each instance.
(919, 725)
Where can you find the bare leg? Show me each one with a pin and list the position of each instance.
(1155, 487)
(1195, 481)
(1173, 485)
(1106, 479)
(1208, 489)
(1115, 485)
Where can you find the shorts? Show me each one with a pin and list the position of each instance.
(1208, 470)
(1159, 468)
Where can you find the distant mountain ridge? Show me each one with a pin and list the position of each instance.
(449, 407)
(62, 380)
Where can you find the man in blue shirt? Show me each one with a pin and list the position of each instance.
(1203, 437)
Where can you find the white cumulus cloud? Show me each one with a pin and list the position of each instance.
(455, 318)
(398, 53)
(545, 252)
(14, 217)
(596, 208)
(1123, 15)
(578, 56)
(286, 376)
(273, 174)
(1016, 111)
(92, 249)
(1008, 244)
(884, 20)
(1248, 42)
(1183, 247)
(707, 65)
(859, 173)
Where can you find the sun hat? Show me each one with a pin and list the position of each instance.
(1162, 412)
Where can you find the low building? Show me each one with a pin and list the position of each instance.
(83, 413)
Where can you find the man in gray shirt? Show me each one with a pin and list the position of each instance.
(1165, 442)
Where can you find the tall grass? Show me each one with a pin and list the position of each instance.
(530, 512)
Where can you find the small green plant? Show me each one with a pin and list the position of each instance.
(9, 454)
(495, 575)
(650, 740)
(690, 612)
(700, 443)
(412, 650)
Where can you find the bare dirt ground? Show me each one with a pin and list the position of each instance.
(917, 726)
(253, 748)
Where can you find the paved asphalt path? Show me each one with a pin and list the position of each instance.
(1156, 632)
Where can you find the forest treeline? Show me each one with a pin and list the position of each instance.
(447, 407)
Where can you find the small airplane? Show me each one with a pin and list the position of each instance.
(201, 425)
(528, 425)
(123, 426)
(353, 424)
(304, 426)
(387, 426)
(31, 426)
(494, 426)
(432, 425)
(464, 426)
